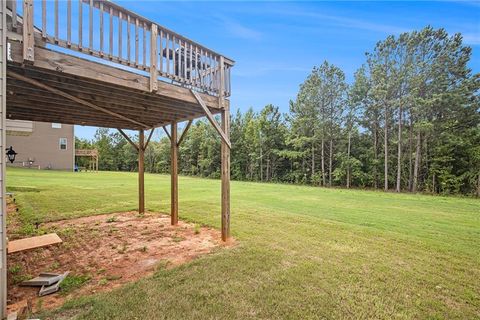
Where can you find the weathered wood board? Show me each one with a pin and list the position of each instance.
(33, 242)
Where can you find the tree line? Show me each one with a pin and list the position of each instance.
(410, 121)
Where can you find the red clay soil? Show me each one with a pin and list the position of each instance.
(108, 250)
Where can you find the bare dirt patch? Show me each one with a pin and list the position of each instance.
(104, 252)
(13, 220)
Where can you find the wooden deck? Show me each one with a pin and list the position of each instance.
(118, 70)
(92, 62)
(139, 74)
(92, 154)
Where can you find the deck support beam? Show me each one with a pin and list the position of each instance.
(167, 133)
(148, 139)
(210, 117)
(141, 171)
(96, 164)
(140, 147)
(184, 132)
(224, 132)
(225, 157)
(128, 139)
(174, 173)
(174, 146)
(225, 174)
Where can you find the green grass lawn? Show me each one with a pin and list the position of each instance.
(303, 253)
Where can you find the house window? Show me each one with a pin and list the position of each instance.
(63, 143)
(56, 125)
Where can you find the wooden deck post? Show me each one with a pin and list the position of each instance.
(141, 171)
(225, 154)
(174, 174)
(153, 58)
(28, 35)
(3, 209)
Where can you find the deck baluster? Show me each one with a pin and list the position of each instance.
(80, 25)
(175, 68)
(44, 18)
(69, 23)
(136, 42)
(153, 58)
(196, 67)
(101, 28)
(56, 20)
(191, 64)
(210, 72)
(90, 25)
(144, 45)
(185, 61)
(128, 39)
(167, 61)
(120, 35)
(200, 73)
(110, 31)
(161, 52)
(217, 76)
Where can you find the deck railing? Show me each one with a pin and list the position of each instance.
(107, 31)
(86, 152)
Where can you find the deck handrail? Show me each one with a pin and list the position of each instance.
(86, 152)
(105, 30)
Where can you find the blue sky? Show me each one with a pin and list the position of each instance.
(276, 44)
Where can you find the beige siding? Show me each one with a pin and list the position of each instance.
(42, 147)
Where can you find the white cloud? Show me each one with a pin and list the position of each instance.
(474, 3)
(342, 21)
(361, 24)
(239, 30)
(471, 38)
(266, 70)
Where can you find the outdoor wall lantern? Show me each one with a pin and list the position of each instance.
(11, 154)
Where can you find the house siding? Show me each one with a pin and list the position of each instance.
(43, 147)
(19, 127)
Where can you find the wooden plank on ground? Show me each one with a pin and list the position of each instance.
(33, 242)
